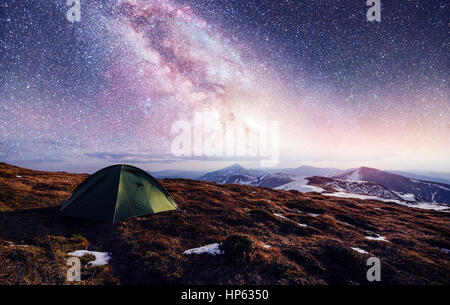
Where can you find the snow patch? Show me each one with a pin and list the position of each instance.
(377, 238)
(284, 217)
(213, 249)
(301, 185)
(355, 176)
(101, 258)
(418, 205)
(433, 196)
(407, 196)
(17, 176)
(358, 196)
(359, 250)
(310, 214)
(446, 251)
(281, 216)
(13, 245)
(437, 185)
(427, 206)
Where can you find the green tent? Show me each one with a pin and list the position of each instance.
(118, 192)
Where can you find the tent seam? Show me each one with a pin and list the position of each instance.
(117, 196)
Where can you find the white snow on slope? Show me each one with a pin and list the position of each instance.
(13, 245)
(427, 206)
(310, 214)
(281, 216)
(212, 249)
(358, 196)
(407, 197)
(433, 197)
(418, 205)
(430, 184)
(362, 188)
(437, 185)
(359, 250)
(101, 258)
(378, 238)
(446, 251)
(355, 176)
(301, 185)
(284, 217)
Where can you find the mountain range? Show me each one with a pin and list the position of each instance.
(236, 174)
(360, 181)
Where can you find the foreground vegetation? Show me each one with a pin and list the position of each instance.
(267, 236)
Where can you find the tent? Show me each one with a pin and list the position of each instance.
(118, 192)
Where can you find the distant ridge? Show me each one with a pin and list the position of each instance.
(425, 191)
(236, 174)
(174, 174)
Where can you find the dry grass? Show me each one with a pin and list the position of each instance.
(148, 250)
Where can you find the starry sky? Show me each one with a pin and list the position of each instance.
(346, 92)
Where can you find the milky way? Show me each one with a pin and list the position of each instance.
(108, 88)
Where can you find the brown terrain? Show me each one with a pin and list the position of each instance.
(35, 238)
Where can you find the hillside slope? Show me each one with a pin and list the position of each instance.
(355, 187)
(290, 237)
(425, 191)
